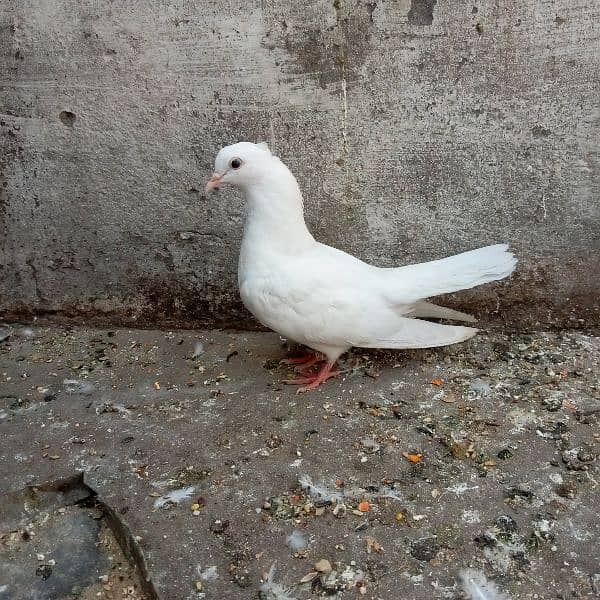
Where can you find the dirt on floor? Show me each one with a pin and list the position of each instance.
(414, 475)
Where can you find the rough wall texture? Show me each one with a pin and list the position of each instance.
(417, 128)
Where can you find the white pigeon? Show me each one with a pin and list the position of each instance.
(324, 298)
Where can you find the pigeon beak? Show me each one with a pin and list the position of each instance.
(213, 182)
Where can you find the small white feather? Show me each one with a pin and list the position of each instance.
(174, 497)
(274, 590)
(76, 386)
(296, 540)
(209, 574)
(387, 492)
(477, 586)
(321, 492)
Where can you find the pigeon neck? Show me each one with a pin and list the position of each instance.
(276, 211)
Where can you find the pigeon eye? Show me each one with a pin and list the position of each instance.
(236, 163)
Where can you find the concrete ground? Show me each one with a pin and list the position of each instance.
(219, 482)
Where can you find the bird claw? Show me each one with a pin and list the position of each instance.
(316, 382)
(299, 381)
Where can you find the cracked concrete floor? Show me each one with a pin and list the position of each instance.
(385, 483)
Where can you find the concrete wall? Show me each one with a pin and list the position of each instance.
(417, 128)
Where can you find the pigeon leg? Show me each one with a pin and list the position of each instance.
(303, 363)
(303, 368)
(311, 357)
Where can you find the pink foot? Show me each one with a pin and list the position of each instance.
(313, 381)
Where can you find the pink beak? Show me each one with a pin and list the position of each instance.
(213, 182)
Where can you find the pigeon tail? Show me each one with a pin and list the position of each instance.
(458, 272)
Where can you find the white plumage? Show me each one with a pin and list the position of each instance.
(327, 299)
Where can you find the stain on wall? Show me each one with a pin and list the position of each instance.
(421, 12)
(417, 129)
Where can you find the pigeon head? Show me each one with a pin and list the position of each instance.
(241, 165)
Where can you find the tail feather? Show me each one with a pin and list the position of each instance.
(414, 333)
(459, 272)
(427, 310)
